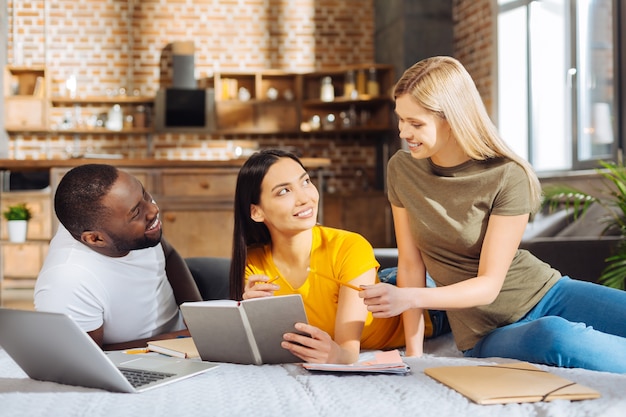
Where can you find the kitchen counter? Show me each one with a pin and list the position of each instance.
(25, 165)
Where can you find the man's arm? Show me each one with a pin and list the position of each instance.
(179, 276)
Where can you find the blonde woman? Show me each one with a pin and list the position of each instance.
(461, 200)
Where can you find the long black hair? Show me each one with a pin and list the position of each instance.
(246, 231)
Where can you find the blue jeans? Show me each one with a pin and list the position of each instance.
(577, 324)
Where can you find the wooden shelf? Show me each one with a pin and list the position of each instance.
(68, 101)
(81, 131)
(279, 102)
(342, 101)
(26, 242)
(25, 105)
(26, 129)
(102, 131)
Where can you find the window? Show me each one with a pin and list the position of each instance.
(556, 81)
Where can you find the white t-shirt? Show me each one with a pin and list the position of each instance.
(130, 295)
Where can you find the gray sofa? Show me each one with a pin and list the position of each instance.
(575, 246)
(211, 276)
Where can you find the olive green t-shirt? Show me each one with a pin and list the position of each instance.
(449, 208)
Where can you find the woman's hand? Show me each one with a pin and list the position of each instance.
(319, 347)
(259, 286)
(385, 300)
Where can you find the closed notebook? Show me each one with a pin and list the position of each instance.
(518, 382)
(182, 347)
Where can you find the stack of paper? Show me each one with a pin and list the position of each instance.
(389, 362)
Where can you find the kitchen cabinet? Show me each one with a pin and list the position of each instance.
(260, 102)
(25, 103)
(256, 102)
(367, 213)
(274, 101)
(362, 99)
(20, 262)
(197, 209)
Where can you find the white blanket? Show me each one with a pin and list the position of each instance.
(289, 390)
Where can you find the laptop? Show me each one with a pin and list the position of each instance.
(52, 347)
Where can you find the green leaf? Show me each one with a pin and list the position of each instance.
(19, 211)
(613, 200)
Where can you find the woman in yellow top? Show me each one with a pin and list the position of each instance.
(279, 249)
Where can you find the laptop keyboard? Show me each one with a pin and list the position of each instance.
(138, 377)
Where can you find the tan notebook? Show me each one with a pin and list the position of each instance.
(517, 382)
(181, 347)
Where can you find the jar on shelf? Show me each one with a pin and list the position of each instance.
(115, 118)
(316, 122)
(361, 82)
(327, 92)
(139, 118)
(373, 88)
(349, 88)
(128, 121)
(328, 122)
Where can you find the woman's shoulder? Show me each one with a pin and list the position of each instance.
(333, 236)
(506, 172)
(402, 156)
(504, 164)
(329, 232)
(349, 247)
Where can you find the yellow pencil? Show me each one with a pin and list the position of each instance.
(354, 287)
(266, 282)
(136, 351)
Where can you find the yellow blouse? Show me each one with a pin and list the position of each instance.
(340, 254)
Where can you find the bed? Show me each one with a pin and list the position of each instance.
(279, 390)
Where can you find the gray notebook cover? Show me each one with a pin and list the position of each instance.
(246, 332)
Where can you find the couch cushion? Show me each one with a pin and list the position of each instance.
(211, 276)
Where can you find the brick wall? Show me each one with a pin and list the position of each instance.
(120, 43)
(110, 44)
(474, 43)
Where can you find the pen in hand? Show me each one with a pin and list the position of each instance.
(266, 282)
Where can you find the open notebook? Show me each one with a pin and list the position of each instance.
(517, 382)
(385, 362)
(245, 332)
(51, 347)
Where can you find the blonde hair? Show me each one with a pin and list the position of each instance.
(443, 86)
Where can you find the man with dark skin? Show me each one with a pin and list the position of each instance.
(109, 266)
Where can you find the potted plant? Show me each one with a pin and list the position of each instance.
(17, 217)
(613, 199)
